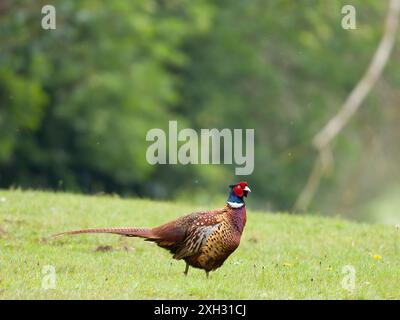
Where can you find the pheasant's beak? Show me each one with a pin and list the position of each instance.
(246, 190)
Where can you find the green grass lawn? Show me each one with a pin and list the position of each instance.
(281, 256)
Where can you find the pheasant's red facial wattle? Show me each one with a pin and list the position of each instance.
(238, 191)
(241, 189)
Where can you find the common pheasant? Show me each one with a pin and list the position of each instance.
(203, 240)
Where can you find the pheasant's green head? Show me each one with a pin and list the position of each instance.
(237, 192)
(240, 189)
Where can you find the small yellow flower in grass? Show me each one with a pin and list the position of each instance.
(287, 264)
(329, 268)
(377, 257)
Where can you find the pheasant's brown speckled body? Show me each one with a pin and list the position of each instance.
(203, 239)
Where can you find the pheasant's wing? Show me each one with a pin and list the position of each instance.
(198, 233)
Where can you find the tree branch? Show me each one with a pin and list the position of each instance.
(322, 140)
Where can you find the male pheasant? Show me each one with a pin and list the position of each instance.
(203, 240)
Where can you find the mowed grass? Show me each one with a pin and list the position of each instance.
(281, 256)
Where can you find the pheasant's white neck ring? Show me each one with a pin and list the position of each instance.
(234, 201)
(235, 205)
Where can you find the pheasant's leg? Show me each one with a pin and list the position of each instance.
(207, 273)
(186, 269)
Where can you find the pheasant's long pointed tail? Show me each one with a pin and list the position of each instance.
(125, 231)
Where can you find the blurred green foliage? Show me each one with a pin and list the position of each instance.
(76, 102)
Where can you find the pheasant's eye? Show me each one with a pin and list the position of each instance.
(243, 184)
(238, 190)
